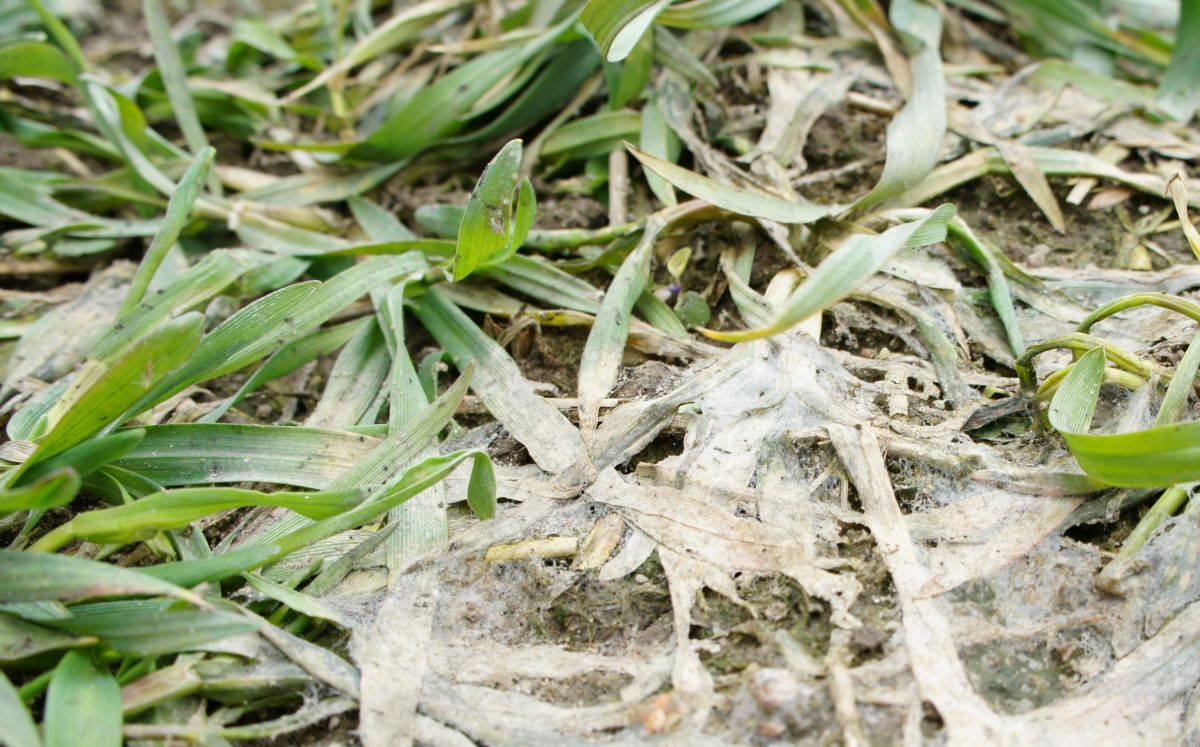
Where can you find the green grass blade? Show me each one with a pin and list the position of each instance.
(486, 228)
(401, 447)
(352, 391)
(1156, 457)
(751, 202)
(174, 78)
(288, 359)
(544, 282)
(551, 440)
(1160, 456)
(156, 632)
(618, 25)
(1175, 401)
(275, 320)
(1179, 92)
(83, 705)
(191, 453)
(298, 601)
(35, 59)
(377, 223)
(998, 287)
(555, 85)
(858, 258)
(589, 137)
(627, 79)
(397, 30)
(174, 509)
(188, 573)
(61, 35)
(659, 314)
(437, 111)
(201, 282)
(601, 358)
(19, 729)
(411, 482)
(21, 639)
(87, 457)
(712, 14)
(105, 389)
(178, 210)
(317, 187)
(417, 526)
(1075, 402)
(56, 489)
(383, 464)
(914, 136)
(658, 140)
(41, 577)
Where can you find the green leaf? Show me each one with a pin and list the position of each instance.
(56, 489)
(998, 288)
(173, 509)
(377, 223)
(288, 359)
(627, 79)
(743, 201)
(201, 282)
(1075, 401)
(105, 388)
(617, 25)
(713, 14)
(351, 395)
(545, 282)
(481, 487)
(1179, 92)
(191, 453)
(526, 215)
(275, 320)
(316, 187)
(437, 111)
(20, 639)
(1155, 457)
(40, 577)
(36, 60)
(601, 359)
(174, 78)
(486, 228)
(87, 457)
(555, 85)
(440, 219)
(1175, 401)
(915, 135)
(188, 573)
(19, 729)
(411, 482)
(843, 271)
(399, 29)
(675, 55)
(382, 465)
(657, 313)
(593, 136)
(83, 705)
(178, 210)
(305, 604)
(154, 632)
(658, 140)
(551, 440)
